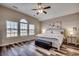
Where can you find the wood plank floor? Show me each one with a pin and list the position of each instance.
(29, 49)
(22, 49)
(67, 50)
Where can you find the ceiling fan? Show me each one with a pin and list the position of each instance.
(41, 8)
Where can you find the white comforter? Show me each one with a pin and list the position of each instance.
(50, 35)
(55, 38)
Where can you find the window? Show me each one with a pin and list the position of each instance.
(23, 27)
(31, 29)
(12, 28)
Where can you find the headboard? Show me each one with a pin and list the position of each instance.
(55, 28)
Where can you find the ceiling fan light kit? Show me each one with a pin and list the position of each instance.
(40, 11)
(41, 8)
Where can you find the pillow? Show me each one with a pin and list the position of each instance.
(48, 31)
(56, 32)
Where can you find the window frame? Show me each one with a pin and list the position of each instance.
(32, 30)
(13, 32)
(22, 29)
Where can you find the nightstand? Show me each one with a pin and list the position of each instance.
(72, 40)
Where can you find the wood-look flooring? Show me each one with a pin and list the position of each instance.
(22, 49)
(67, 50)
(29, 49)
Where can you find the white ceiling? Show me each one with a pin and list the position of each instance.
(56, 10)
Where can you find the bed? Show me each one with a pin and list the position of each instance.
(55, 36)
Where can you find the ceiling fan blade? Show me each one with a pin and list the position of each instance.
(37, 13)
(45, 12)
(34, 9)
(47, 7)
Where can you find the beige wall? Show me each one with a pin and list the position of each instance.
(68, 22)
(8, 14)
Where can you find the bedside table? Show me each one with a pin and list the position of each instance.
(72, 40)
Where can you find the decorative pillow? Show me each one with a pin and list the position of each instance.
(48, 31)
(56, 32)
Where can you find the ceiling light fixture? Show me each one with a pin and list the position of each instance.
(41, 8)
